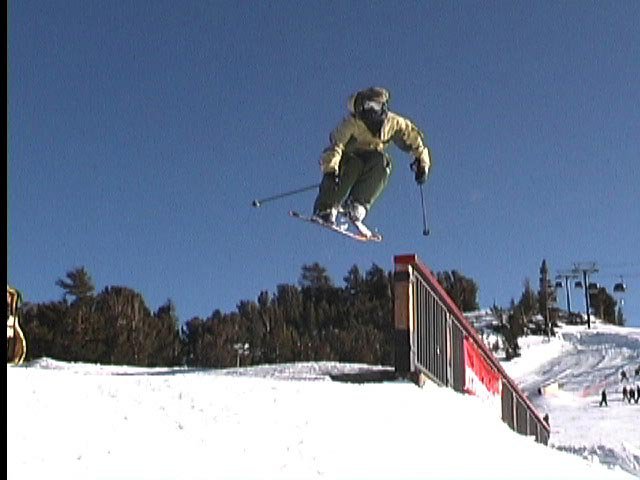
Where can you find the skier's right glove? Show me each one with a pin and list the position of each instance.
(332, 179)
(420, 171)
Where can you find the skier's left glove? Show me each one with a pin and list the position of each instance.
(420, 171)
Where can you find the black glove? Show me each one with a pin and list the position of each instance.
(420, 172)
(332, 179)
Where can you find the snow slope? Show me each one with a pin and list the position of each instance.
(582, 362)
(309, 420)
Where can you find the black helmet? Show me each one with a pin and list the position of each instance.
(371, 98)
(370, 106)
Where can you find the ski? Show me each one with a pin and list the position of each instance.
(343, 230)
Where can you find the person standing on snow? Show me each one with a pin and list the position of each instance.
(355, 166)
(603, 398)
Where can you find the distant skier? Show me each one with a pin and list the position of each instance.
(603, 398)
(355, 166)
(632, 395)
(625, 393)
(637, 393)
(623, 376)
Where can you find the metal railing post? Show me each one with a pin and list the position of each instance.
(403, 319)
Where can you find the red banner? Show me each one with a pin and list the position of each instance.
(481, 379)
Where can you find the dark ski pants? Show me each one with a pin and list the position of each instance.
(363, 177)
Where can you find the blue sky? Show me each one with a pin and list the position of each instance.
(139, 132)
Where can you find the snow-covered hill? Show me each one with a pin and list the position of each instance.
(576, 366)
(318, 420)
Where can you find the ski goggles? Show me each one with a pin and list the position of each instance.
(373, 105)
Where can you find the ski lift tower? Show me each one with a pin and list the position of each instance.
(567, 277)
(586, 269)
(242, 349)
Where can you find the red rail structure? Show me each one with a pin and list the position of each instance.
(435, 340)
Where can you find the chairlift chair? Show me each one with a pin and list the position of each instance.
(559, 284)
(620, 287)
(593, 287)
(578, 284)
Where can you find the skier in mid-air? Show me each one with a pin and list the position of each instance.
(355, 166)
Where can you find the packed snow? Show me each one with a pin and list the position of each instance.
(565, 377)
(323, 420)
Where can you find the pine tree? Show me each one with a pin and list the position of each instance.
(314, 276)
(462, 290)
(528, 303)
(603, 305)
(79, 284)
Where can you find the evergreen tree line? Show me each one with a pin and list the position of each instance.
(314, 320)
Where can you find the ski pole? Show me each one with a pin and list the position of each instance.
(425, 230)
(258, 202)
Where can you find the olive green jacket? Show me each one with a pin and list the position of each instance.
(352, 135)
